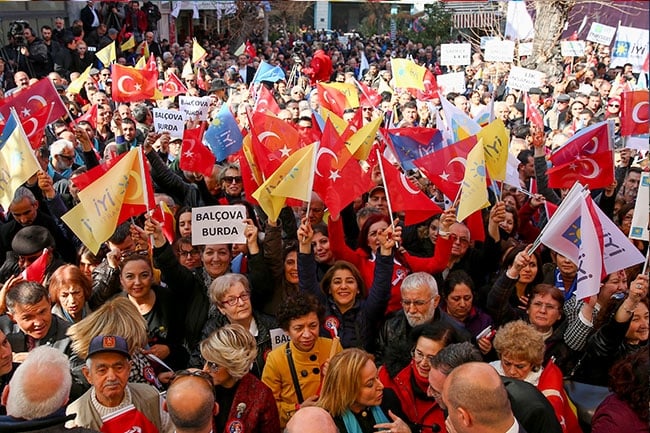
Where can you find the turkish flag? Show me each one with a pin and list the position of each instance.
(173, 86)
(34, 126)
(250, 50)
(29, 101)
(195, 156)
(430, 88)
(368, 97)
(35, 272)
(595, 170)
(533, 114)
(89, 116)
(274, 140)
(446, 167)
(589, 141)
(332, 99)
(248, 179)
(635, 112)
(266, 101)
(133, 85)
(405, 197)
(338, 178)
(165, 217)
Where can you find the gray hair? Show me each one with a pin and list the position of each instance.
(40, 386)
(418, 280)
(21, 193)
(455, 355)
(231, 347)
(57, 147)
(221, 284)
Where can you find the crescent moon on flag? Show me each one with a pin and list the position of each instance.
(39, 98)
(267, 134)
(407, 185)
(595, 170)
(171, 87)
(33, 129)
(635, 112)
(321, 151)
(459, 160)
(594, 148)
(120, 84)
(134, 181)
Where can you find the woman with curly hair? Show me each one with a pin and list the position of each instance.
(626, 409)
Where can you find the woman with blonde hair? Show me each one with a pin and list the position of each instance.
(117, 316)
(245, 403)
(352, 393)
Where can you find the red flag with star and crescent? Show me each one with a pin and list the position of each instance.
(29, 101)
(274, 140)
(34, 126)
(173, 86)
(195, 156)
(133, 85)
(338, 178)
(89, 116)
(635, 112)
(266, 101)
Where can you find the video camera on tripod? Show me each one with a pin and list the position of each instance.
(16, 31)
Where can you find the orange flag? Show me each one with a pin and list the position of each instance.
(133, 85)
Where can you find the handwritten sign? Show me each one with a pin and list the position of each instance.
(486, 39)
(524, 79)
(601, 34)
(453, 82)
(572, 48)
(455, 54)
(194, 107)
(172, 121)
(499, 51)
(218, 225)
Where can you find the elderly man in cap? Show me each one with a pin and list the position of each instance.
(112, 403)
(29, 307)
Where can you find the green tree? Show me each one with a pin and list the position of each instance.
(437, 22)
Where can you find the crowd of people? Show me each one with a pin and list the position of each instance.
(318, 322)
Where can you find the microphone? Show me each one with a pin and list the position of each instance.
(241, 407)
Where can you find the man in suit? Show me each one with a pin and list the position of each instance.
(89, 16)
(246, 72)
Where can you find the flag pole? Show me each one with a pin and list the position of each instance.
(383, 179)
(145, 190)
(645, 264)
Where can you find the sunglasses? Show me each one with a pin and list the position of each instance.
(231, 179)
(66, 157)
(192, 373)
(614, 105)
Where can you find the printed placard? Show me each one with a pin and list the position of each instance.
(218, 225)
(572, 48)
(486, 39)
(278, 337)
(639, 228)
(499, 51)
(453, 82)
(601, 34)
(194, 107)
(525, 49)
(523, 79)
(172, 121)
(455, 54)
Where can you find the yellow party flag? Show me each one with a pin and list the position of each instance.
(273, 204)
(299, 181)
(107, 54)
(78, 221)
(143, 50)
(407, 74)
(102, 199)
(239, 51)
(128, 44)
(360, 143)
(197, 51)
(141, 63)
(338, 123)
(473, 195)
(187, 70)
(76, 85)
(17, 160)
(495, 145)
(349, 90)
(250, 158)
(384, 87)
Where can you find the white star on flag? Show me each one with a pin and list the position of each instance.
(334, 175)
(285, 151)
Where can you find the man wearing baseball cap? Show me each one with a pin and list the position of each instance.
(112, 403)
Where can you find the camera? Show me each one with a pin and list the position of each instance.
(16, 30)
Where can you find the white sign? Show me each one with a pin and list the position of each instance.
(601, 34)
(172, 121)
(639, 228)
(572, 48)
(524, 79)
(499, 51)
(455, 54)
(525, 49)
(453, 82)
(631, 46)
(194, 107)
(485, 39)
(218, 225)
(278, 337)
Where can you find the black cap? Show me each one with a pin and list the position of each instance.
(30, 240)
(563, 97)
(108, 343)
(520, 106)
(535, 91)
(218, 84)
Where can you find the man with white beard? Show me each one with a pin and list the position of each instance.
(420, 301)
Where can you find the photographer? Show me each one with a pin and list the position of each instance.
(33, 55)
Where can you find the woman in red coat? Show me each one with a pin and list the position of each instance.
(245, 403)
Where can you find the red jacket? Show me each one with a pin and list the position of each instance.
(366, 265)
(253, 408)
(141, 24)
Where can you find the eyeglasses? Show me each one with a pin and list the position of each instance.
(235, 300)
(433, 393)
(213, 367)
(540, 305)
(417, 302)
(106, 75)
(367, 108)
(231, 179)
(195, 373)
(418, 356)
(66, 157)
(188, 253)
(462, 241)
